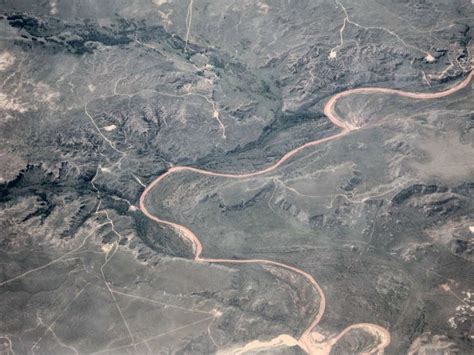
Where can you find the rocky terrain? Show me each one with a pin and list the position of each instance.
(99, 99)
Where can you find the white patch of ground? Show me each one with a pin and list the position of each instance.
(159, 2)
(39, 93)
(263, 8)
(430, 58)
(6, 60)
(106, 248)
(53, 7)
(11, 104)
(432, 344)
(109, 128)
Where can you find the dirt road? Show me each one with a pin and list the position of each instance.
(311, 343)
